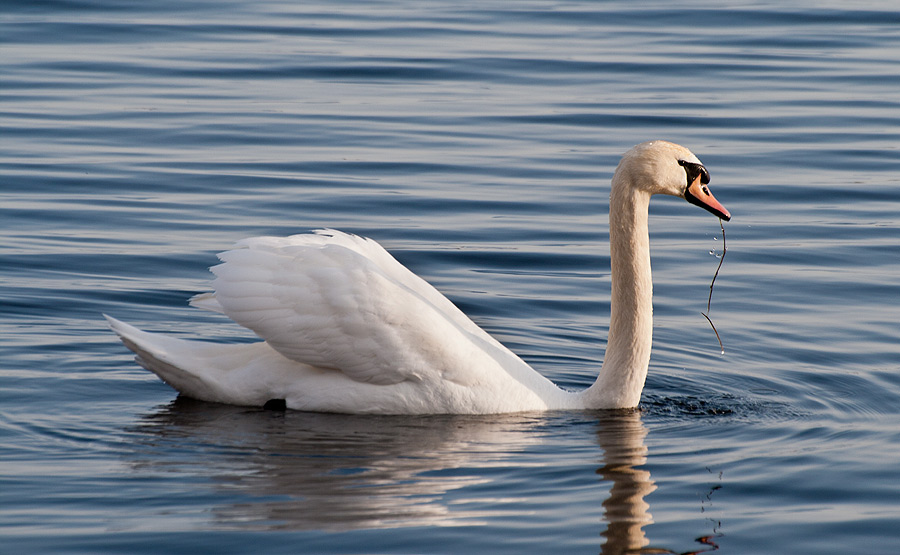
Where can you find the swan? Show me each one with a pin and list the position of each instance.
(346, 328)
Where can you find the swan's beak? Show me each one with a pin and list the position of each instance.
(697, 193)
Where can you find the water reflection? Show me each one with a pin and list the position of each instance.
(334, 472)
(621, 436)
(299, 471)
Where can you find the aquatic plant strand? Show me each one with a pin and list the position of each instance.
(711, 284)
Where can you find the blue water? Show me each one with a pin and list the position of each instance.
(476, 141)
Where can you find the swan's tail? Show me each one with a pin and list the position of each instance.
(205, 371)
(157, 353)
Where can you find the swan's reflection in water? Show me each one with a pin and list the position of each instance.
(296, 470)
(621, 436)
(334, 472)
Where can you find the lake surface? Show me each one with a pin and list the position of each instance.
(475, 140)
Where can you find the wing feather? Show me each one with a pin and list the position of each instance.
(338, 301)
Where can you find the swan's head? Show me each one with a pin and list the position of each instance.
(661, 167)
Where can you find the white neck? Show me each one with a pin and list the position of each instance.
(627, 357)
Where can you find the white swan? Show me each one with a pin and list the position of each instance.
(348, 329)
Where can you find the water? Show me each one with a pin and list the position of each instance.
(476, 141)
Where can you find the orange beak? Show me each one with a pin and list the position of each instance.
(697, 193)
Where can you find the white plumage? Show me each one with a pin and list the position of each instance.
(347, 328)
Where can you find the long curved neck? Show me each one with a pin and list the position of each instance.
(627, 357)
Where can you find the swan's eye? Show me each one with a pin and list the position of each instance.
(693, 170)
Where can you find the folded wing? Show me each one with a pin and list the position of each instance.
(341, 302)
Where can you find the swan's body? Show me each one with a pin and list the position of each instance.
(349, 329)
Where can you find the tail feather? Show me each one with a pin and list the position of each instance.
(206, 371)
(156, 353)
